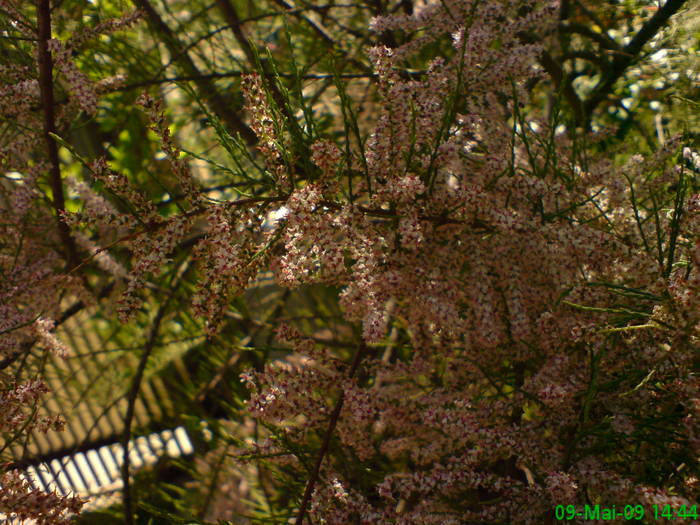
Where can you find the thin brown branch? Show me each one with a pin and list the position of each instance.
(317, 27)
(601, 38)
(131, 405)
(236, 26)
(204, 84)
(313, 478)
(47, 102)
(320, 30)
(237, 74)
(589, 56)
(234, 21)
(69, 312)
(153, 227)
(629, 53)
(561, 82)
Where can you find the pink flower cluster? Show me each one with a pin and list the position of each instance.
(267, 125)
(533, 299)
(154, 110)
(20, 501)
(17, 402)
(228, 261)
(80, 87)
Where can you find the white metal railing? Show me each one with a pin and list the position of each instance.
(95, 475)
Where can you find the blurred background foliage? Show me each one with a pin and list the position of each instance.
(192, 53)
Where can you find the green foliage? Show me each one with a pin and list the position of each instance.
(319, 84)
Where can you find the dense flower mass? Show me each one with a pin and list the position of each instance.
(535, 297)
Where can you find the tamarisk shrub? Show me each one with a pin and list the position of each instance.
(542, 302)
(526, 310)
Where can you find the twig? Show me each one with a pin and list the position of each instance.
(311, 483)
(623, 60)
(234, 21)
(320, 30)
(131, 400)
(47, 102)
(219, 105)
(128, 419)
(153, 227)
(562, 82)
(237, 74)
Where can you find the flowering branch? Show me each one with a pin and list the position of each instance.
(311, 483)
